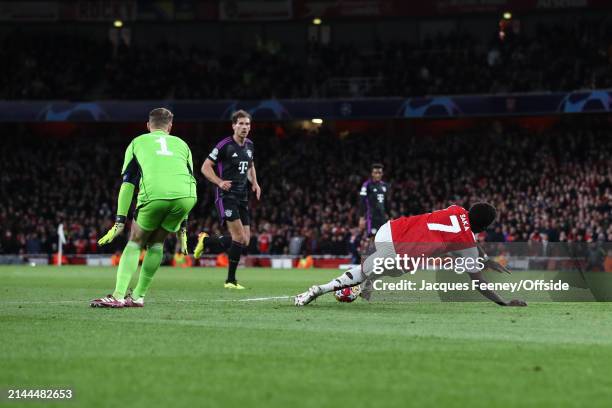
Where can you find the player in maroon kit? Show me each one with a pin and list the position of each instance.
(450, 231)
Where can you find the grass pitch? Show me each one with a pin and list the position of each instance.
(196, 344)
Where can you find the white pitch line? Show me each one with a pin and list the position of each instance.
(264, 298)
(49, 302)
(260, 299)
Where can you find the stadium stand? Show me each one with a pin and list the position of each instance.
(552, 58)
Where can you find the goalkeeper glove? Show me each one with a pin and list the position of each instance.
(182, 237)
(116, 230)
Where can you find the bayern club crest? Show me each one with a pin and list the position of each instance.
(250, 153)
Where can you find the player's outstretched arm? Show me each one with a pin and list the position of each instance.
(492, 295)
(126, 193)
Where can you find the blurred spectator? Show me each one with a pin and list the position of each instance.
(263, 242)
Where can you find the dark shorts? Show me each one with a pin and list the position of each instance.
(373, 225)
(231, 209)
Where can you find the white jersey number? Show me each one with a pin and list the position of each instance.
(163, 147)
(453, 228)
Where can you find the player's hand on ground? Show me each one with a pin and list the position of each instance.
(182, 238)
(496, 266)
(257, 190)
(116, 230)
(225, 185)
(516, 302)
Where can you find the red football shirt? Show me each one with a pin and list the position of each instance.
(435, 233)
(264, 243)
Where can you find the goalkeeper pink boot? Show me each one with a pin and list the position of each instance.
(108, 301)
(129, 301)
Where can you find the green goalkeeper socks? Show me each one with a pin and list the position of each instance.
(150, 265)
(127, 266)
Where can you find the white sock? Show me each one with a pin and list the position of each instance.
(352, 277)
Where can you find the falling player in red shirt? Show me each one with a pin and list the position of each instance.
(449, 231)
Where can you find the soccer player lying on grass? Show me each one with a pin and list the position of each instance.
(162, 167)
(450, 231)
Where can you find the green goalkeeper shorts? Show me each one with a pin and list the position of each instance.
(168, 214)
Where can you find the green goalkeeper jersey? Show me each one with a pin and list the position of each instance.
(164, 165)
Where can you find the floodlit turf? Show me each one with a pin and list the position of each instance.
(196, 344)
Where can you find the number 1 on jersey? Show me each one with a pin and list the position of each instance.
(454, 227)
(163, 146)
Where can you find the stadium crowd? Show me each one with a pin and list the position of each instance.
(555, 58)
(551, 187)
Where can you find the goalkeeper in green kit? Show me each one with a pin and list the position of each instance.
(161, 166)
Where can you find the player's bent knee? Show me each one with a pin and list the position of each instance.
(139, 235)
(158, 236)
(240, 237)
(237, 237)
(138, 239)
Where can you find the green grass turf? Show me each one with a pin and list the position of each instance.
(194, 344)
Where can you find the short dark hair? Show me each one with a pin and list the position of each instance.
(240, 114)
(481, 216)
(160, 117)
(377, 166)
